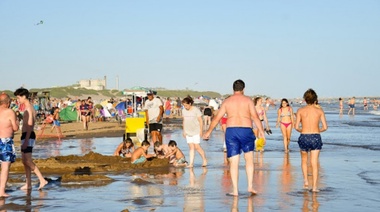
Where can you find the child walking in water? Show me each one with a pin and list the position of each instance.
(310, 117)
(192, 129)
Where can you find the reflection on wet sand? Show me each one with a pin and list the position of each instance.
(86, 145)
(235, 204)
(260, 177)
(310, 201)
(145, 191)
(194, 192)
(31, 204)
(286, 182)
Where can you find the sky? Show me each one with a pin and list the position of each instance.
(279, 48)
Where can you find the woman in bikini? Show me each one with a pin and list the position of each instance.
(285, 118)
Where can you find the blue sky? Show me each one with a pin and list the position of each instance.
(279, 48)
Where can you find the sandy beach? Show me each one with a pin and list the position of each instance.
(84, 176)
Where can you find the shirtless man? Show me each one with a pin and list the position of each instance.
(8, 125)
(239, 135)
(310, 140)
(351, 104)
(28, 140)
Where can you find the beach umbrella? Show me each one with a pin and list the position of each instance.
(121, 106)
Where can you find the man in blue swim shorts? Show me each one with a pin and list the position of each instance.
(307, 123)
(239, 135)
(8, 125)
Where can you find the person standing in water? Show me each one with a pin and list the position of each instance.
(28, 139)
(192, 129)
(308, 122)
(239, 135)
(8, 125)
(285, 118)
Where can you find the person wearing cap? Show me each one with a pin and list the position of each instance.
(154, 110)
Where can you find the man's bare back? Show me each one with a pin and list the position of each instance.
(310, 116)
(239, 109)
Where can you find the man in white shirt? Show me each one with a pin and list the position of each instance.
(154, 111)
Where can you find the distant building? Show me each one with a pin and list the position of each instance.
(94, 84)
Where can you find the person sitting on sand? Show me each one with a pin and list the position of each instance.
(180, 159)
(125, 148)
(140, 154)
(161, 149)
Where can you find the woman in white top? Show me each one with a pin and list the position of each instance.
(192, 129)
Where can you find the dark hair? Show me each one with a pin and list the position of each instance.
(157, 144)
(284, 100)
(172, 143)
(145, 143)
(188, 100)
(256, 99)
(238, 85)
(340, 98)
(22, 92)
(310, 96)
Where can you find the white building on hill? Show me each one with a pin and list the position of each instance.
(95, 84)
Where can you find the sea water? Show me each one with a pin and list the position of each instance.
(349, 175)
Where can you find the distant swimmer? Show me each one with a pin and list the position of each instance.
(365, 103)
(351, 105)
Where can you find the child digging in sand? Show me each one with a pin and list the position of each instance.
(140, 154)
(179, 156)
(125, 148)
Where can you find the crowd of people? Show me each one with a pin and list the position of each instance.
(243, 120)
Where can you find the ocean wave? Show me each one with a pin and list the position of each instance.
(375, 112)
(367, 146)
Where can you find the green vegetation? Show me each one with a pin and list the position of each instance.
(70, 91)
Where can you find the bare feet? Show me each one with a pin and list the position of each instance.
(25, 187)
(315, 190)
(4, 195)
(232, 194)
(190, 166)
(252, 192)
(204, 163)
(306, 186)
(42, 184)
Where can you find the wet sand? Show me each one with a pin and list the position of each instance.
(83, 176)
(90, 167)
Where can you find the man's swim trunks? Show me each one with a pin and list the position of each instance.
(309, 142)
(238, 139)
(7, 150)
(141, 159)
(31, 142)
